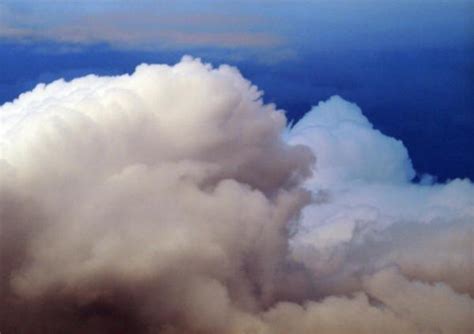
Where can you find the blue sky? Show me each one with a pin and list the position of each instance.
(408, 64)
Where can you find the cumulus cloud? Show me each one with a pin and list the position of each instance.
(349, 148)
(370, 216)
(173, 200)
(157, 193)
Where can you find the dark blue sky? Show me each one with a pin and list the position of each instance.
(408, 64)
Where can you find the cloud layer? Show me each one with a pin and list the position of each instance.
(173, 200)
(145, 27)
(300, 26)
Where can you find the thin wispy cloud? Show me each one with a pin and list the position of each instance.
(141, 29)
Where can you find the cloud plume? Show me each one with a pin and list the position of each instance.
(173, 200)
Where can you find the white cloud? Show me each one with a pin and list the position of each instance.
(166, 200)
(348, 148)
(368, 214)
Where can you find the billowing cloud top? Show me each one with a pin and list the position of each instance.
(368, 156)
(169, 201)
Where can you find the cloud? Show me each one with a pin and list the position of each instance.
(170, 201)
(156, 193)
(369, 216)
(348, 148)
(305, 27)
(137, 28)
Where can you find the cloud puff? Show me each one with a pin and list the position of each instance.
(169, 201)
(369, 216)
(349, 149)
(161, 199)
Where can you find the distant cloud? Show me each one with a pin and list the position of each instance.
(141, 29)
(302, 25)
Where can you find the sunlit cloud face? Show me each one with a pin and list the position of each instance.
(369, 215)
(173, 200)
